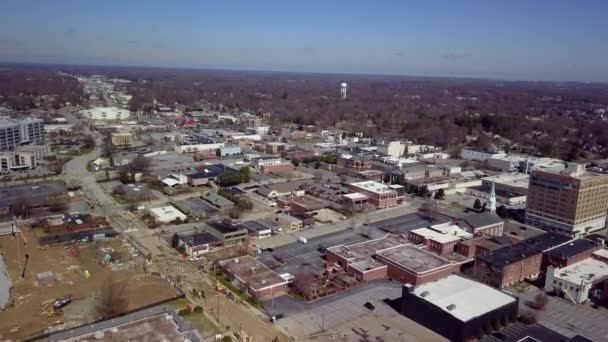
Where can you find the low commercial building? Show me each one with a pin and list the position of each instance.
(302, 204)
(479, 154)
(481, 245)
(257, 163)
(445, 306)
(284, 167)
(281, 190)
(485, 223)
(227, 151)
(166, 214)
(253, 277)
(194, 144)
(199, 243)
(261, 228)
(297, 154)
(289, 222)
(509, 265)
(389, 256)
(228, 233)
(354, 162)
(122, 138)
(106, 113)
(440, 238)
(73, 223)
(392, 148)
(208, 173)
(510, 188)
(380, 195)
(274, 147)
(576, 281)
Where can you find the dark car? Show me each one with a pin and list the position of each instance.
(369, 306)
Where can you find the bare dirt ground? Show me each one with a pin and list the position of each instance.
(26, 317)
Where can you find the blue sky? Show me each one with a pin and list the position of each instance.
(515, 39)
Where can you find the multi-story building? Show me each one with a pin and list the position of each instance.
(23, 158)
(478, 154)
(380, 195)
(572, 202)
(275, 147)
(357, 162)
(18, 133)
(252, 122)
(122, 138)
(106, 113)
(392, 148)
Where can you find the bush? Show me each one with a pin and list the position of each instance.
(183, 312)
(198, 308)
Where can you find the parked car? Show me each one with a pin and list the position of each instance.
(369, 306)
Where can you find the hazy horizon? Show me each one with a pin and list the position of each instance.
(518, 40)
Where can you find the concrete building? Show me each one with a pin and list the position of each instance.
(122, 138)
(279, 190)
(289, 222)
(106, 113)
(199, 243)
(576, 281)
(297, 154)
(508, 265)
(166, 214)
(23, 158)
(194, 144)
(380, 195)
(227, 233)
(261, 228)
(15, 133)
(252, 122)
(274, 147)
(510, 188)
(227, 151)
(265, 161)
(259, 131)
(392, 148)
(572, 202)
(478, 154)
(253, 277)
(446, 307)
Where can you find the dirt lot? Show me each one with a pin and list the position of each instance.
(26, 317)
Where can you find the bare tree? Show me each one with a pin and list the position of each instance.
(112, 299)
(428, 210)
(540, 301)
(304, 282)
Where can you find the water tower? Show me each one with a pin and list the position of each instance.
(343, 87)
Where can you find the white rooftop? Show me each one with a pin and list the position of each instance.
(443, 233)
(356, 196)
(459, 293)
(373, 186)
(586, 271)
(512, 179)
(167, 213)
(602, 253)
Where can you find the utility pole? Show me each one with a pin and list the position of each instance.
(18, 247)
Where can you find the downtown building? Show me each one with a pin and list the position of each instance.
(22, 144)
(571, 202)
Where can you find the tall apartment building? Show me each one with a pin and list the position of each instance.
(571, 202)
(18, 133)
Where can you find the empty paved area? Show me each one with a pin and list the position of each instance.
(567, 318)
(304, 319)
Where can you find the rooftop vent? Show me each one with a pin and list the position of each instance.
(424, 294)
(451, 307)
(236, 260)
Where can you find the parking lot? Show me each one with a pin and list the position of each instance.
(309, 255)
(565, 317)
(339, 313)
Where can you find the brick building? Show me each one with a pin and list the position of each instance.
(253, 277)
(357, 162)
(569, 253)
(380, 195)
(481, 245)
(509, 265)
(73, 223)
(440, 238)
(390, 256)
(485, 223)
(297, 154)
(284, 167)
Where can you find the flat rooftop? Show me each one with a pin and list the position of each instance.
(366, 249)
(586, 271)
(356, 196)
(524, 249)
(252, 272)
(198, 239)
(373, 186)
(224, 228)
(403, 224)
(571, 249)
(511, 179)
(309, 202)
(443, 233)
(413, 258)
(260, 225)
(454, 295)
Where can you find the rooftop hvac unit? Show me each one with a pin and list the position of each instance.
(451, 307)
(424, 294)
(236, 260)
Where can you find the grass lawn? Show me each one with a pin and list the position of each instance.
(179, 303)
(119, 199)
(203, 324)
(296, 295)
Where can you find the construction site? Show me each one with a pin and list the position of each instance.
(60, 286)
